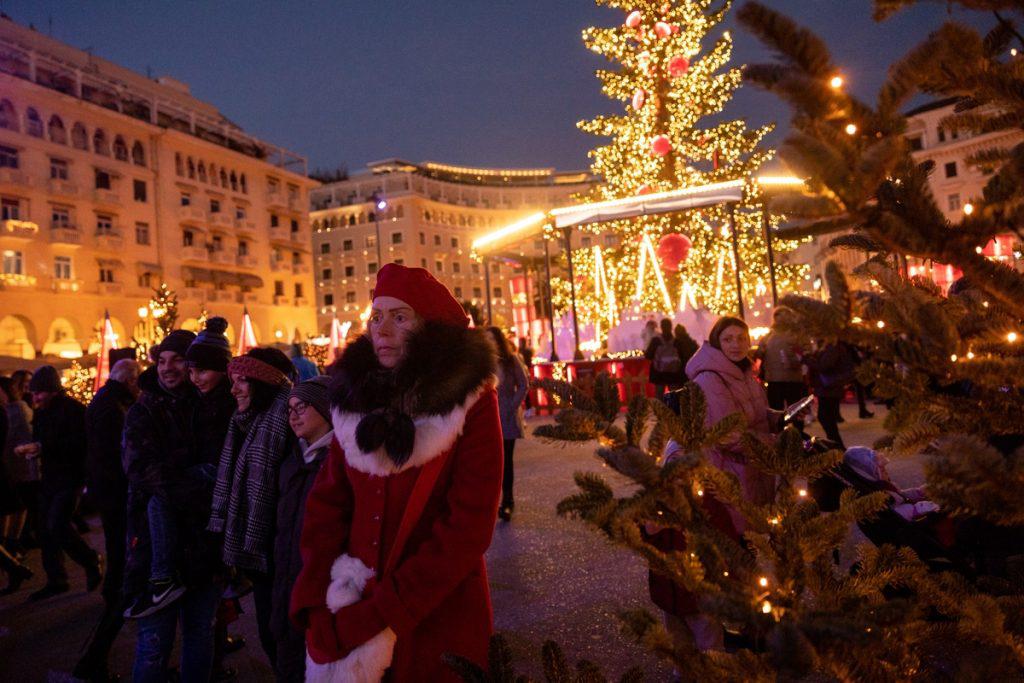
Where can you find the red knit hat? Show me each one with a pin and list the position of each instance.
(415, 286)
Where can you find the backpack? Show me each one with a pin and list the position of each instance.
(666, 357)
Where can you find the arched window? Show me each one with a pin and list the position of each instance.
(234, 182)
(223, 178)
(179, 164)
(334, 222)
(241, 181)
(400, 211)
(8, 117)
(191, 168)
(120, 149)
(99, 143)
(202, 172)
(33, 124)
(79, 137)
(352, 219)
(372, 217)
(56, 132)
(139, 154)
(426, 215)
(213, 174)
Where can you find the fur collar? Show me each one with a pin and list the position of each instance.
(390, 420)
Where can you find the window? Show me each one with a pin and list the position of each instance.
(186, 199)
(104, 224)
(400, 261)
(423, 263)
(243, 248)
(475, 268)
(201, 170)
(139, 190)
(10, 209)
(188, 238)
(62, 267)
(477, 293)
(106, 274)
(120, 149)
(295, 225)
(325, 248)
(218, 243)
(298, 290)
(240, 213)
(346, 245)
(8, 117)
(8, 157)
(455, 243)
(456, 267)
(371, 241)
(942, 135)
(142, 233)
(396, 238)
(916, 143)
(350, 297)
(145, 280)
(58, 169)
(951, 169)
(953, 201)
(99, 143)
(139, 154)
(437, 240)
(12, 263)
(496, 292)
(326, 274)
(458, 292)
(585, 242)
(371, 268)
(609, 240)
(278, 288)
(60, 217)
(495, 268)
(214, 206)
(274, 221)
(423, 238)
(102, 180)
(79, 138)
(34, 124)
(328, 299)
(439, 266)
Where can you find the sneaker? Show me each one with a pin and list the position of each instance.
(159, 594)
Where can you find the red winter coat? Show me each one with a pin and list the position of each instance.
(436, 600)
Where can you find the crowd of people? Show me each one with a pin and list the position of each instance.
(355, 507)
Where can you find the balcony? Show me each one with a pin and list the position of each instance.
(244, 225)
(16, 281)
(192, 214)
(193, 293)
(301, 301)
(222, 256)
(106, 197)
(250, 298)
(12, 176)
(62, 285)
(281, 300)
(295, 204)
(62, 188)
(65, 234)
(246, 261)
(111, 288)
(221, 219)
(301, 268)
(195, 253)
(110, 241)
(224, 296)
(279, 234)
(19, 229)
(280, 266)
(277, 199)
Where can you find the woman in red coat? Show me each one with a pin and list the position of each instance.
(416, 463)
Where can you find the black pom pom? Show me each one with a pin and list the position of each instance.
(389, 428)
(216, 325)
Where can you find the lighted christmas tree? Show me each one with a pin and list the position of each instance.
(163, 306)
(673, 78)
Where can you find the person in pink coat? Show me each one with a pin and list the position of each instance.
(412, 401)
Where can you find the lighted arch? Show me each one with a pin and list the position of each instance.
(62, 339)
(17, 337)
(8, 116)
(56, 131)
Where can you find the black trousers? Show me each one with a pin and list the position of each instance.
(508, 475)
(828, 415)
(59, 536)
(291, 657)
(783, 394)
(262, 596)
(115, 533)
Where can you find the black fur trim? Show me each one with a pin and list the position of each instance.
(443, 366)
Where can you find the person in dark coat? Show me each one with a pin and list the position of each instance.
(512, 387)
(58, 431)
(831, 371)
(309, 415)
(667, 362)
(158, 447)
(17, 573)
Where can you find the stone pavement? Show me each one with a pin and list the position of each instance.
(551, 578)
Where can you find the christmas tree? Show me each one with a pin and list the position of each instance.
(673, 81)
(163, 306)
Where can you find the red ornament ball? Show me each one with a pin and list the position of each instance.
(661, 145)
(662, 29)
(634, 18)
(644, 189)
(678, 66)
(673, 250)
(639, 97)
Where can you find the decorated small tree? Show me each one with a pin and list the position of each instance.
(163, 306)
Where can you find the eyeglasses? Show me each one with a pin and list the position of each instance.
(299, 409)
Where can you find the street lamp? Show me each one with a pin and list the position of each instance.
(380, 204)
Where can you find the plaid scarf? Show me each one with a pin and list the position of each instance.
(245, 495)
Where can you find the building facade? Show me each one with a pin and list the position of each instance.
(112, 183)
(432, 215)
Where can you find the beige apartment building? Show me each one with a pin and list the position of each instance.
(434, 212)
(112, 183)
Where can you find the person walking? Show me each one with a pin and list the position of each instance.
(158, 448)
(24, 472)
(309, 415)
(513, 384)
(10, 563)
(399, 519)
(831, 372)
(58, 430)
(245, 494)
(667, 364)
(781, 366)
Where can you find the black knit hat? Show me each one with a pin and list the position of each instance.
(46, 378)
(177, 341)
(211, 350)
(315, 392)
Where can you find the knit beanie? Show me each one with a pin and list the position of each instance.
(314, 392)
(211, 350)
(263, 364)
(46, 378)
(415, 286)
(177, 341)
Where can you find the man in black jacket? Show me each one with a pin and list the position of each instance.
(58, 429)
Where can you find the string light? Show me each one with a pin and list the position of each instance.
(836, 82)
(970, 355)
(968, 209)
(766, 607)
(1011, 337)
(851, 129)
(774, 521)
(954, 358)
(802, 493)
(880, 324)
(763, 582)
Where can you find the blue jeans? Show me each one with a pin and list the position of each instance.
(156, 633)
(163, 527)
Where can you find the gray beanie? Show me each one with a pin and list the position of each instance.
(314, 392)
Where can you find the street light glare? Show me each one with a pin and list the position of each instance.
(968, 209)
(851, 129)
(836, 82)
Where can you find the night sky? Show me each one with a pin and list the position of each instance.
(488, 83)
